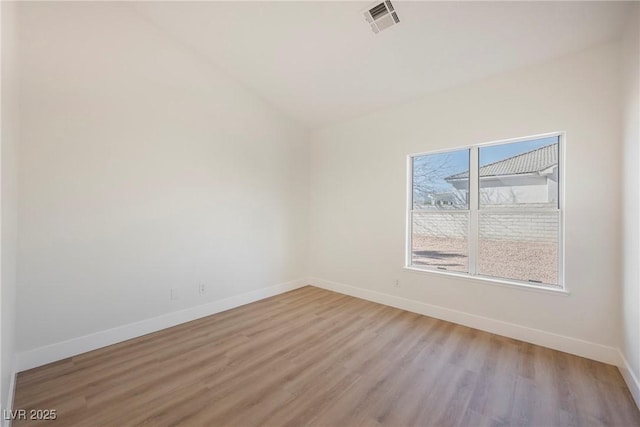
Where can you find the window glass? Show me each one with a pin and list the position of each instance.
(519, 174)
(440, 240)
(441, 181)
(519, 246)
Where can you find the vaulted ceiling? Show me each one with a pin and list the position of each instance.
(319, 62)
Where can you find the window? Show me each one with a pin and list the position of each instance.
(491, 210)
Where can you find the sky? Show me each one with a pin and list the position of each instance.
(454, 162)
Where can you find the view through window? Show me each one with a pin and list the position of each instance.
(489, 210)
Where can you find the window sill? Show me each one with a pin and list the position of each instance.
(495, 282)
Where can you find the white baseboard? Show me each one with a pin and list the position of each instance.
(630, 378)
(563, 343)
(58, 351)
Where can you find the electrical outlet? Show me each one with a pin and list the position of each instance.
(174, 293)
(201, 289)
(397, 283)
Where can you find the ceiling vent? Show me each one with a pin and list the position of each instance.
(381, 16)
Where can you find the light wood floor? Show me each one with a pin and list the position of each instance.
(314, 357)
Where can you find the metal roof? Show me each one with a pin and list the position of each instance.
(532, 161)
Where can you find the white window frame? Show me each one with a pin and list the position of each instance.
(474, 210)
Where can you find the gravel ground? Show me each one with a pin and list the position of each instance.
(514, 260)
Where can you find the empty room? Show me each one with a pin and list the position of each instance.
(289, 213)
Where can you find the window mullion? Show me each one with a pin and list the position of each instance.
(409, 227)
(473, 210)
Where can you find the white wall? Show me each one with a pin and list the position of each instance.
(143, 168)
(9, 141)
(631, 179)
(360, 166)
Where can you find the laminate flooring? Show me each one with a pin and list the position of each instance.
(315, 357)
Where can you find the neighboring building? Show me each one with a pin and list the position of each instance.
(447, 198)
(530, 177)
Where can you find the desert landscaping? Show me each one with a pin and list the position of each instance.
(525, 261)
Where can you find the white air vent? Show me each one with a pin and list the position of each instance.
(381, 16)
